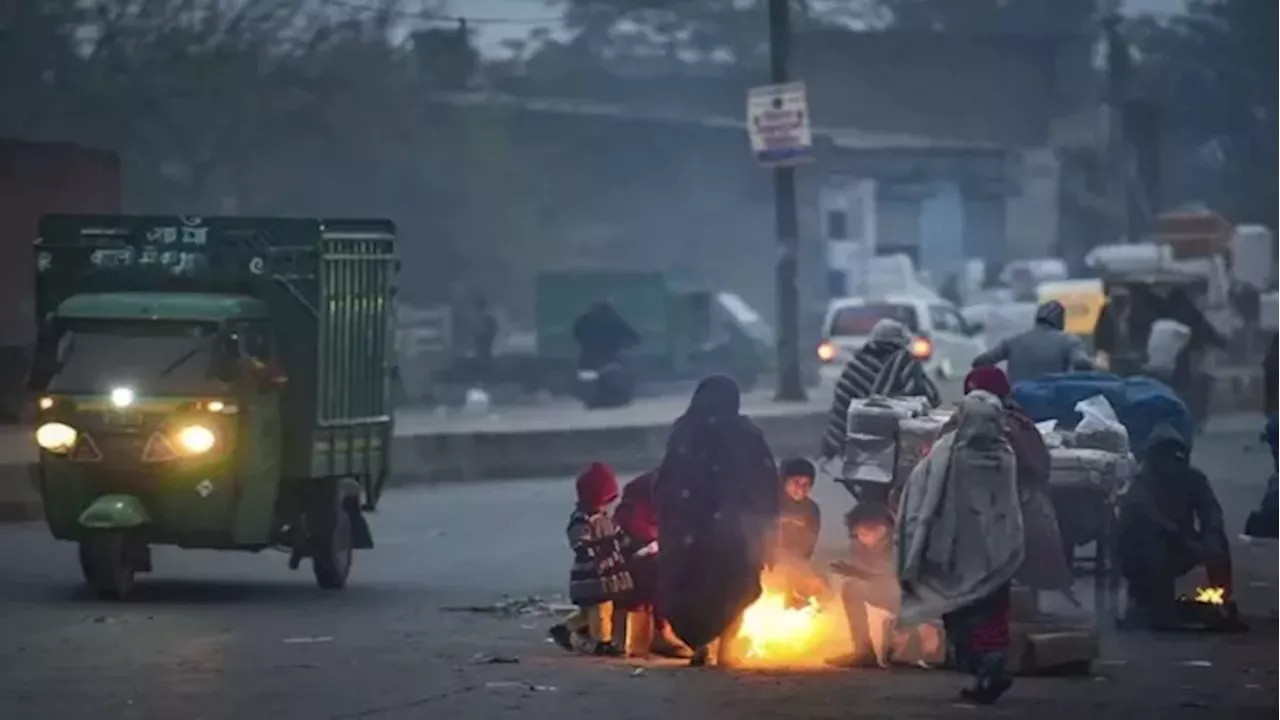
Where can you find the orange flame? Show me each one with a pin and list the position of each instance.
(788, 627)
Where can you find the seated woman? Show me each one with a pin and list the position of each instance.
(1170, 524)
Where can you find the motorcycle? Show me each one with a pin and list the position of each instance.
(610, 385)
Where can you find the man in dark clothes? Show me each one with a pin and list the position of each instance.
(1170, 523)
(1269, 373)
(801, 520)
(602, 335)
(1121, 330)
(1188, 379)
(1265, 521)
(486, 334)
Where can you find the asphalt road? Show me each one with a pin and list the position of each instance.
(222, 636)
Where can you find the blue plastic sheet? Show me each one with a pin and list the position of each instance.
(1141, 403)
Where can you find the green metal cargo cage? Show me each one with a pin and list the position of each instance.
(329, 285)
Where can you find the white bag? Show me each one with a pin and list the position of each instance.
(1099, 427)
(1167, 340)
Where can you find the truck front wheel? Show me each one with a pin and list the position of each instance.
(107, 564)
(331, 553)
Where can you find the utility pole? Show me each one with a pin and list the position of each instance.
(1119, 170)
(790, 384)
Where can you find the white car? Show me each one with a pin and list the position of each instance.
(943, 339)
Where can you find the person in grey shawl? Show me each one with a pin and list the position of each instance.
(1043, 350)
(883, 366)
(959, 542)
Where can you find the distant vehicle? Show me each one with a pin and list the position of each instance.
(1082, 299)
(943, 340)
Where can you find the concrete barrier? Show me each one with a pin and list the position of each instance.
(559, 441)
(553, 452)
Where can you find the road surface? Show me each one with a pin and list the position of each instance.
(227, 636)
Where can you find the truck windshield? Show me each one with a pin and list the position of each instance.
(153, 358)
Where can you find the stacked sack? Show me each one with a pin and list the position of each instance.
(1095, 454)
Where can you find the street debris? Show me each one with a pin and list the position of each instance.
(1196, 663)
(637, 672)
(307, 640)
(529, 606)
(518, 685)
(486, 659)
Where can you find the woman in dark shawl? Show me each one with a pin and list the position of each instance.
(718, 498)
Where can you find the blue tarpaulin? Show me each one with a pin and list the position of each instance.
(1141, 403)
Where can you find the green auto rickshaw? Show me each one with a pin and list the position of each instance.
(215, 383)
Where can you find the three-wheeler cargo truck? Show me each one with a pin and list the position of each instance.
(216, 383)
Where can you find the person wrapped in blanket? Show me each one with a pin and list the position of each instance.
(884, 366)
(1170, 523)
(1264, 523)
(599, 576)
(718, 503)
(1046, 567)
(647, 630)
(959, 542)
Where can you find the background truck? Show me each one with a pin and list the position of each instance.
(36, 179)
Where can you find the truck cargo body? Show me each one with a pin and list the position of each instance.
(328, 286)
(37, 179)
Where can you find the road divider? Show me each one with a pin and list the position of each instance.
(521, 445)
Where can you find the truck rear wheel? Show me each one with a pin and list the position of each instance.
(107, 565)
(332, 553)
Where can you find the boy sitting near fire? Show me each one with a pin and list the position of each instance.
(872, 581)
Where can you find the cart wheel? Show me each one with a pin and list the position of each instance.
(332, 553)
(107, 566)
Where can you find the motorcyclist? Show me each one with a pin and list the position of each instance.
(602, 336)
(1042, 350)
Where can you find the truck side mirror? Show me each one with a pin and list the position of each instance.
(269, 377)
(45, 362)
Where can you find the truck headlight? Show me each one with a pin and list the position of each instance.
(56, 437)
(196, 439)
(122, 397)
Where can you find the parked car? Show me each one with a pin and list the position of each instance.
(943, 339)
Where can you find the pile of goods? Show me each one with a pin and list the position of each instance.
(885, 438)
(1095, 455)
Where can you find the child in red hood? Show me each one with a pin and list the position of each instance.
(600, 576)
(636, 516)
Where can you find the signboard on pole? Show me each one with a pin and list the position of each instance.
(778, 123)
